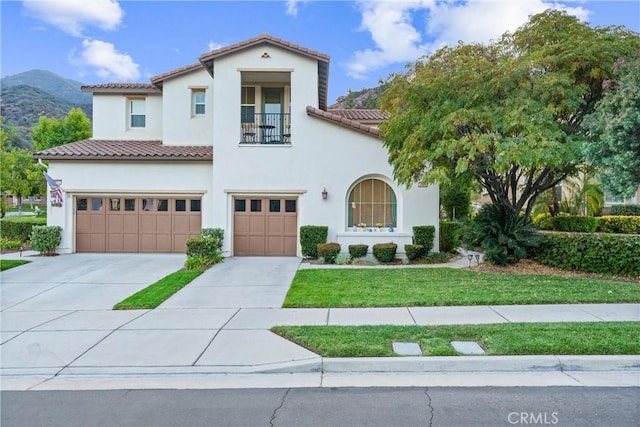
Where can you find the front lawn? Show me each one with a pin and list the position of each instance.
(411, 287)
(6, 264)
(606, 338)
(157, 293)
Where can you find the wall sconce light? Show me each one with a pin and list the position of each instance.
(325, 194)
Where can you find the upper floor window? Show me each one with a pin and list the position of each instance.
(137, 113)
(248, 104)
(198, 97)
(372, 202)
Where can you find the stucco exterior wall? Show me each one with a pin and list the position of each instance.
(180, 125)
(111, 118)
(125, 178)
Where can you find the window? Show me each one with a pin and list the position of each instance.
(181, 205)
(241, 205)
(163, 205)
(290, 205)
(114, 205)
(147, 205)
(372, 202)
(248, 104)
(198, 101)
(274, 205)
(81, 204)
(256, 205)
(130, 205)
(611, 199)
(137, 111)
(96, 204)
(195, 205)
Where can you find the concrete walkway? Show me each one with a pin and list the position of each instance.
(58, 331)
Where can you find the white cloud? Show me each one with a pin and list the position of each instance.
(213, 45)
(106, 61)
(292, 7)
(398, 35)
(72, 16)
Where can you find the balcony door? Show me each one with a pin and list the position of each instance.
(273, 109)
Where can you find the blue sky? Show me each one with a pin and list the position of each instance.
(96, 41)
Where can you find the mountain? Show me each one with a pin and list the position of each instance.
(65, 89)
(363, 99)
(22, 105)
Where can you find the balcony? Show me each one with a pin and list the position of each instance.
(266, 128)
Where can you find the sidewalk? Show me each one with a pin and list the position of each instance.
(215, 333)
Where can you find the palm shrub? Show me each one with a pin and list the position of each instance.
(504, 236)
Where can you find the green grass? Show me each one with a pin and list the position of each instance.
(155, 294)
(606, 338)
(6, 264)
(409, 287)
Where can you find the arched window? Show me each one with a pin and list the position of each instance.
(372, 202)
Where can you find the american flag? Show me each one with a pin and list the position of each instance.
(55, 188)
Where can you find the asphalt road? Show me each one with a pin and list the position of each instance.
(478, 406)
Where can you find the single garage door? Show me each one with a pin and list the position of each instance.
(136, 224)
(265, 226)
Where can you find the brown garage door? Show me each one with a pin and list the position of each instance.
(136, 224)
(265, 226)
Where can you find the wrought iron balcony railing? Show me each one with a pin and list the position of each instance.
(266, 128)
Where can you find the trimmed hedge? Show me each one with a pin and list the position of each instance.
(385, 252)
(358, 251)
(310, 237)
(328, 251)
(593, 253)
(424, 235)
(414, 251)
(205, 247)
(19, 228)
(575, 223)
(449, 236)
(625, 210)
(619, 224)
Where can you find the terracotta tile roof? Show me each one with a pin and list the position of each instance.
(104, 149)
(157, 80)
(145, 88)
(207, 59)
(343, 121)
(361, 115)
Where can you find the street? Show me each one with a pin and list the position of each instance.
(443, 406)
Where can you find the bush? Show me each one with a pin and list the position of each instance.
(619, 224)
(202, 247)
(625, 210)
(328, 251)
(575, 223)
(10, 244)
(504, 236)
(19, 228)
(343, 258)
(310, 237)
(414, 251)
(358, 251)
(385, 252)
(216, 234)
(436, 258)
(424, 235)
(449, 236)
(592, 253)
(198, 262)
(544, 221)
(45, 239)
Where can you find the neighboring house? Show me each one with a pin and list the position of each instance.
(241, 140)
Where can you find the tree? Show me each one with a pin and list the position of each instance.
(51, 132)
(614, 130)
(20, 174)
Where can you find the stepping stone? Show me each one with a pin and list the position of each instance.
(467, 347)
(407, 349)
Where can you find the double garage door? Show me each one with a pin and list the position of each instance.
(136, 224)
(265, 226)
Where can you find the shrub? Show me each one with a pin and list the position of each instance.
(504, 236)
(198, 262)
(358, 251)
(310, 237)
(45, 239)
(10, 244)
(625, 210)
(544, 221)
(328, 251)
(202, 247)
(385, 252)
(216, 234)
(414, 251)
(424, 235)
(449, 236)
(436, 258)
(619, 224)
(575, 223)
(343, 258)
(19, 228)
(592, 253)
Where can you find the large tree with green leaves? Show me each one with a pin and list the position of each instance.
(51, 132)
(508, 112)
(20, 174)
(614, 130)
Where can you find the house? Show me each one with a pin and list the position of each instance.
(241, 140)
